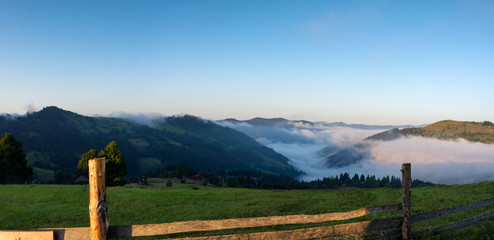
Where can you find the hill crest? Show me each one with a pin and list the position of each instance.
(482, 132)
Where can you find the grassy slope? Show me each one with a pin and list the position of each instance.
(471, 131)
(448, 129)
(42, 206)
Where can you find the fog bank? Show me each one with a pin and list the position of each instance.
(437, 161)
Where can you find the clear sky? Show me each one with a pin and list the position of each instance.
(372, 62)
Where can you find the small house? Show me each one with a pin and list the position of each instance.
(81, 179)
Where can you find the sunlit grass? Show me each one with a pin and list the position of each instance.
(50, 206)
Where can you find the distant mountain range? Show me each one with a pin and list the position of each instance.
(54, 140)
(280, 130)
(281, 122)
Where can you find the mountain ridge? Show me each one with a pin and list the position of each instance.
(482, 132)
(260, 121)
(54, 140)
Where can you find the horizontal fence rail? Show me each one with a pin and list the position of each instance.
(382, 228)
(212, 225)
(449, 211)
(21, 235)
(455, 225)
(373, 229)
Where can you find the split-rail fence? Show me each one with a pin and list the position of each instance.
(390, 228)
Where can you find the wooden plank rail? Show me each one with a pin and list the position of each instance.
(449, 211)
(379, 229)
(211, 225)
(455, 225)
(80, 233)
(26, 235)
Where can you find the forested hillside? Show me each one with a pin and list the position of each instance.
(54, 140)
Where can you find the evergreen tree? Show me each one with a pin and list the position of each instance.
(13, 162)
(362, 180)
(345, 179)
(356, 180)
(385, 181)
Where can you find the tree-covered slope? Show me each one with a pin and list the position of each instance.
(448, 130)
(54, 139)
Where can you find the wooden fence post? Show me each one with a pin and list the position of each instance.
(97, 199)
(406, 201)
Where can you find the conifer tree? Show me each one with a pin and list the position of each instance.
(13, 164)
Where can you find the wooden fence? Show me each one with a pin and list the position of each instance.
(390, 228)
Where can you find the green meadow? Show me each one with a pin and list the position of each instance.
(59, 206)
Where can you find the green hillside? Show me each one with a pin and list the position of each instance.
(448, 130)
(54, 140)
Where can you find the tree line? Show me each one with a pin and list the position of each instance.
(261, 180)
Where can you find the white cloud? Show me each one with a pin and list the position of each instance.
(140, 118)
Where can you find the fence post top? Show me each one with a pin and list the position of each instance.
(97, 159)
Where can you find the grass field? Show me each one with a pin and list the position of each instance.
(51, 206)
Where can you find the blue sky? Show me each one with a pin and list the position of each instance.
(372, 62)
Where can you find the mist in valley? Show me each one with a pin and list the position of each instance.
(312, 147)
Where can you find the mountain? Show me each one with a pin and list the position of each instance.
(482, 132)
(281, 122)
(54, 139)
(346, 157)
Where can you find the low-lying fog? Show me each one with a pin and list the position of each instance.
(437, 161)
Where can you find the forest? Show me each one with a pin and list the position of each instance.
(260, 180)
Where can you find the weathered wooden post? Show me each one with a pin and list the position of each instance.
(97, 199)
(406, 201)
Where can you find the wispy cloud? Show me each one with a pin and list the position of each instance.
(140, 118)
(30, 108)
